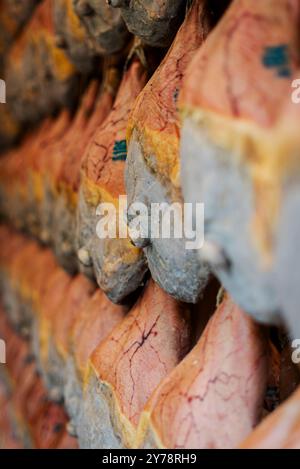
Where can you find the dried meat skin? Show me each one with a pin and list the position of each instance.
(56, 330)
(154, 21)
(287, 233)
(119, 267)
(60, 196)
(105, 26)
(209, 400)
(231, 144)
(34, 63)
(68, 182)
(151, 340)
(72, 37)
(93, 323)
(13, 16)
(153, 161)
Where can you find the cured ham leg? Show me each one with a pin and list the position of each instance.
(93, 323)
(46, 170)
(287, 227)
(79, 292)
(13, 16)
(71, 36)
(34, 63)
(105, 25)
(154, 21)
(68, 181)
(214, 397)
(229, 148)
(57, 286)
(153, 161)
(150, 342)
(48, 175)
(119, 267)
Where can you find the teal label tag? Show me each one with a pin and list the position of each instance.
(278, 58)
(120, 151)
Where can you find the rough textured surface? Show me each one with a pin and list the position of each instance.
(154, 21)
(153, 160)
(214, 398)
(61, 194)
(286, 264)
(77, 295)
(10, 129)
(34, 63)
(71, 36)
(150, 341)
(68, 183)
(28, 418)
(119, 267)
(231, 144)
(104, 25)
(13, 16)
(58, 284)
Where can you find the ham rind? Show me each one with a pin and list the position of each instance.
(10, 248)
(19, 179)
(68, 182)
(34, 422)
(280, 430)
(54, 130)
(17, 204)
(34, 63)
(36, 403)
(287, 235)
(150, 342)
(34, 286)
(214, 397)
(8, 437)
(77, 296)
(26, 377)
(21, 266)
(154, 21)
(63, 150)
(153, 160)
(12, 168)
(45, 271)
(23, 211)
(119, 267)
(22, 275)
(48, 169)
(13, 16)
(231, 102)
(71, 36)
(93, 323)
(58, 285)
(20, 372)
(10, 129)
(46, 174)
(104, 25)
(50, 427)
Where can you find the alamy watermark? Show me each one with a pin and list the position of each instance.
(140, 222)
(296, 352)
(2, 92)
(2, 352)
(296, 92)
